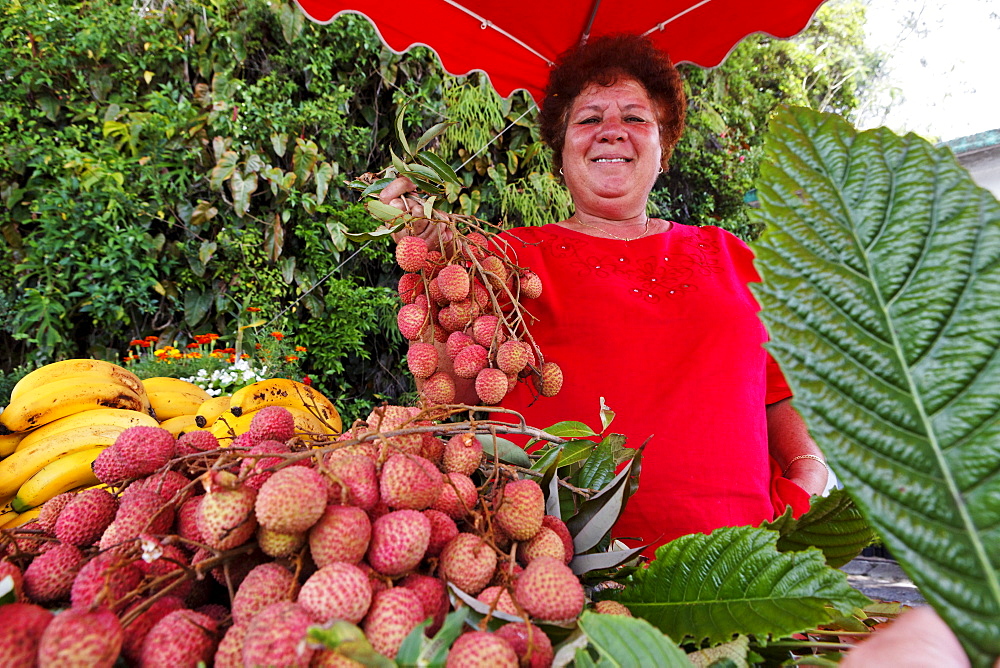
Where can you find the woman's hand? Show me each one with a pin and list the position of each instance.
(788, 438)
(399, 194)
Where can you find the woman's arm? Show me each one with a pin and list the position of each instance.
(788, 439)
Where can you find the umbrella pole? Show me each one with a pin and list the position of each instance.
(590, 22)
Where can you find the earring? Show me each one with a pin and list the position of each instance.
(561, 172)
(661, 170)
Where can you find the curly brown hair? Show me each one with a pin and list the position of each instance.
(603, 61)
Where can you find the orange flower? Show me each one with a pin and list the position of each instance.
(152, 338)
(244, 356)
(196, 356)
(228, 351)
(258, 346)
(290, 358)
(278, 335)
(252, 309)
(145, 344)
(138, 342)
(194, 345)
(300, 349)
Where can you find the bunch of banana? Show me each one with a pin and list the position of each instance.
(86, 430)
(68, 387)
(9, 442)
(287, 393)
(210, 410)
(227, 427)
(62, 475)
(173, 397)
(16, 519)
(180, 425)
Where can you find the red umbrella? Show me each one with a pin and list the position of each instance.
(515, 41)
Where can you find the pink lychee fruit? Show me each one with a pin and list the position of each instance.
(531, 284)
(49, 512)
(172, 486)
(21, 629)
(353, 481)
(276, 635)
(462, 454)
(341, 534)
(279, 545)
(550, 380)
(458, 496)
(481, 648)
(49, 577)
(180, 638)
(225, 515)
(512, 356)
(392, 615)
(611, 608)
(271, 423)
(532, 646)
(439, 389)
(137, 452)
(455, 343)
(498, 596)
(486, 330)
(557, 525)
(412, 319)
(85, 517)
(255, 470)
(431, 448)
(399, 541)
(337, 591)
(454, 282)
(81, 637)
(409, 287)
(491, 386)
(433, 595)
(10, 570)
(519, 509)
(194, 442)
(229, 653)
(143, 512)
(422, 359)
(443, 529)
(470, 360)
(468, 562)
(411, 253)
(166, 561)
(549, 590)
(106, 580)
(138, 628)
(265, 584)
(545, 543)
(291, 500)
(186, 519)
(409, 482)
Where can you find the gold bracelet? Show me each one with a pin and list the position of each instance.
(798, 457)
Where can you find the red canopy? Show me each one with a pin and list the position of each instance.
(515, 41)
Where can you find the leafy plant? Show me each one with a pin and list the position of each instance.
(881, 267)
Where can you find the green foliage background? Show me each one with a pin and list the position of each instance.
(162, 168)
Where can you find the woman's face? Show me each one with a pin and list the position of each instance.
(612, 153)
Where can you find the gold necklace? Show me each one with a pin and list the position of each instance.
(645, 229)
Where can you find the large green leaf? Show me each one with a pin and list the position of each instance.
(627, 641)
(881, 268)
(834, 524)
(734, 580)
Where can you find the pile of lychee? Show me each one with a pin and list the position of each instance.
(467, 306)
(194, 553)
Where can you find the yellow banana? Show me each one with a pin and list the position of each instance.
(179, 425)
(20, 519)
(9, 442)
(285, 392)
(63, 397)
(7, 514)
(228, 426)
(106, 417)
(308, 425)
(62, 475)
(210, 410)
(161, 383)
(169, 404)
(23, 464)
(44, 375)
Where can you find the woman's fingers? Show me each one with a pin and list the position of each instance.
(396, 189)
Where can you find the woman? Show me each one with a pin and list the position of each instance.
(652, 318)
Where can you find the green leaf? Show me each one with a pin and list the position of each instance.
(599, 561)
(599, 513)
(709, 588)
(224, 168)
(434, 652)
(206, 251)
(409, 650)
(441, 168)
(833, 524)
(279, 142)
(323, 176)
(376, 186)
(600, 466)
(568, 453)
(570, 429)
(732, 653)
(243, 187)
(628, 641)
(349, 641)
(196, 306)
(386, 212)
(400, 134)
(510, 453)
(881, 269)
(430, 135)
(7, 594)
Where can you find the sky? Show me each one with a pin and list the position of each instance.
(944, 57)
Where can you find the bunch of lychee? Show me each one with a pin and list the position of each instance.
(227, 556)
(467, 307)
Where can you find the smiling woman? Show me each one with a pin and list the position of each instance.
(651, 318)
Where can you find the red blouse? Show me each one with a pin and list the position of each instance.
(665, 329)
